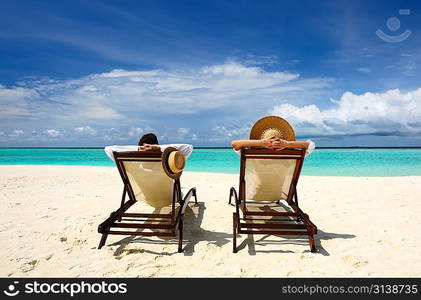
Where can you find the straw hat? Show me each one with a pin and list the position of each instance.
(173, 162)
(272, 126)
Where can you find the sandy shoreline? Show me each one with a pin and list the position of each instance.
(49, 217)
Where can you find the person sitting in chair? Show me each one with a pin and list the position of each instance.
(269, 132)
(148, 142)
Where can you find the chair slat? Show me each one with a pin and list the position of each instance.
(151, 226)
(147, 215)
(272, 226)
(273, 232)
(172, 233)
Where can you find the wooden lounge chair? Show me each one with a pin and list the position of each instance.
(144, 180)
(268, 178)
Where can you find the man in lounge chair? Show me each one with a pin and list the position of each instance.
(149, 142)
(151, 177)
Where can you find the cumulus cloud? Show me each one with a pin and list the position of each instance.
(53, 133)
(364, 70)
(214, 103)
(13, 101)
(119, 93)
(113, 101)
(136, 131)
(114, 134)
(16, 133)
(390, 113)
(230, 132)
(85, 130)
(257, 60)
(179, 134)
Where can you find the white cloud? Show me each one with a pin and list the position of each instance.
(364, 70)
(293, 62)
(182, 132)
(15, 94)
(13, 101)
(117, 95)
(53, 133)
(85, 130)
(122, 99)
(220, 101)
(230, 132)
(16, 133)
(390, 113)
(137, 132)
(257, 60)
(95, 112)
(114, 134)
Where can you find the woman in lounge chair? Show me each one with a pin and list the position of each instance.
(267, 178)
(267, 133)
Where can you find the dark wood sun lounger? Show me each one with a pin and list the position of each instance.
(145, 224)
(267, 217)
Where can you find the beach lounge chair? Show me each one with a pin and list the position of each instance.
(144, 180)
(269, 178)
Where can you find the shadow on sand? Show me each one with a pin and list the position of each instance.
(250, 243)
(193, 234)
(290, 239)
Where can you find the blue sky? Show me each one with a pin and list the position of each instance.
(92, 73)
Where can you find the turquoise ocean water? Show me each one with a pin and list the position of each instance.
(322, 162)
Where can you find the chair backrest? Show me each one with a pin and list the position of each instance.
(144, 177)
(269, 175)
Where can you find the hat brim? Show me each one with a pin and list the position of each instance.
(165, 165)
(272, 122)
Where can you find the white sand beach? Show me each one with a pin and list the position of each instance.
(50, 214)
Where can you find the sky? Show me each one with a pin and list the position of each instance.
(95, 73)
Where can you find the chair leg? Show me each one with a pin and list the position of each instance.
(102, 241)
(180, 235)
(312, 245)
(234, 231)
(123, 198)
(195, 197)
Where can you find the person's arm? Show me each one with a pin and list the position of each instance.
(149, 147)
(186, 149)
(269, 143)
(110, 149)
(297, 144)
(309, 145)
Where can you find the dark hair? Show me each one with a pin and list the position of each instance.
(148, 138)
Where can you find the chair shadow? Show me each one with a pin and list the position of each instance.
(197, 234)
(193, 234)
(291, 239)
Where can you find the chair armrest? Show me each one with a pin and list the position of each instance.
(185, 201)
(233, 192)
